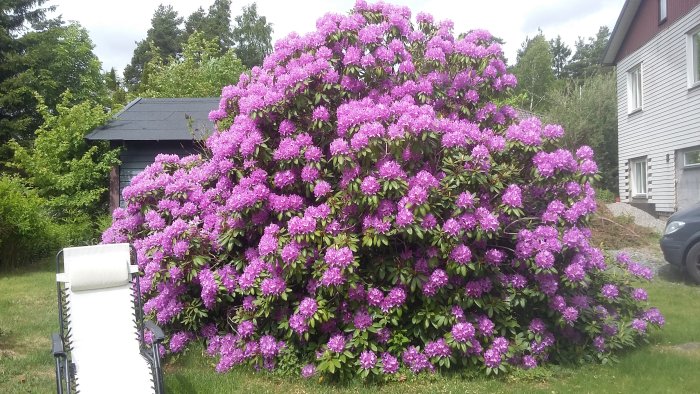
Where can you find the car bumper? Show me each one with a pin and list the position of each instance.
(673, 250)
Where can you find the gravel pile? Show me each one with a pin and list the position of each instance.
(640, 217)
(647, 256)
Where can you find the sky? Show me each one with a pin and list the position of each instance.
(116, 26)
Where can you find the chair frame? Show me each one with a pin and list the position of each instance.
(61, 341)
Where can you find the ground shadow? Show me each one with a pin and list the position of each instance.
(673, 274)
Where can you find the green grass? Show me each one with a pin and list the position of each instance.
(667, 365)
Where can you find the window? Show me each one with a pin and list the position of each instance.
(662, 11)
(691, 158)
(634, 89)
(639, 177)
(694, 58)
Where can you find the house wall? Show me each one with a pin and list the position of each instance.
(670, 115)
(646, 23)
(136, 155)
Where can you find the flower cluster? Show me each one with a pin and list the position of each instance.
(367, 198)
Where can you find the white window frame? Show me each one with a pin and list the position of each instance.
(635, 94)
(639, 189)
(663, 11)
(693, 55)
(685, 158)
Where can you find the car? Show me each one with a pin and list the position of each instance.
(681, 241)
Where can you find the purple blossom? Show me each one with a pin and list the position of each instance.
(308, 371)
(463, 332)
(390, 364)
(512, 196)
(438, 348)
(570, 314)
(332, 277)
(609, 291)
(273, 286)
(320, 113)
(362, 320)
(639, 325)
(370, 186)
(298, 324)
(639, 294)
(368, 359)
(492, 358)
(337, 343)
(461, 254)
(529, 362)
(308, 307)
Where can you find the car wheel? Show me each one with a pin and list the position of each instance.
(692, 262)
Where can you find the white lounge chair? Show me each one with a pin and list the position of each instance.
(101, 347)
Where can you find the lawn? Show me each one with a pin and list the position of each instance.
(668, 364)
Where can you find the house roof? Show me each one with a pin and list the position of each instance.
(624, 21)
(151, 119)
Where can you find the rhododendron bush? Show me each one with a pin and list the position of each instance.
(366, 204)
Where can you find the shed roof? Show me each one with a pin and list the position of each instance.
(152, 119)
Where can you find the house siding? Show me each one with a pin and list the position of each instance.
(646, 23)
(670, 115)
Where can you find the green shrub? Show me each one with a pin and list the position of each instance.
(26, 231)
(605, 196)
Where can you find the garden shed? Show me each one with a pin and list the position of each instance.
(147, 127)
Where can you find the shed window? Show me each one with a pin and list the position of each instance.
(639, 177)
(634, 88)
(691, 158)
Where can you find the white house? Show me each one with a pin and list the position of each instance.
(656, 48)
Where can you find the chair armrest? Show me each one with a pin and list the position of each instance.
(57, 345)
(158, 334)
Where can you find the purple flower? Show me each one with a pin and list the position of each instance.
(485, 325)
(654, 316)
(332, 277)
(529, 362)
(370, 186)
(639, 294)
(461, 254)
(492, 358)
(609, 291)
(320, 113)
(308, 371)
(639, 325)
(462, 332)
(389, 363)
(599, 343)
(179, 340)
(298, 324)
(322, 188)
(437, 348)
(337, 343)
(273, 286)
(537, 326)
(368, 359)
(544, 259)
(308, 307)
(342, 257)
(268, 346)
(362, 320)
(246, 328)
(383, 335)
(290, 252)
(512, 196)
(574, 272)
(500, 344)
(570, 314)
